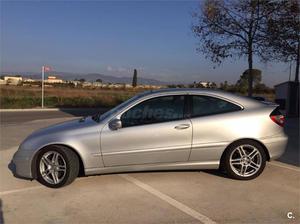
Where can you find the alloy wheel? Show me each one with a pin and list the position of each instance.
(53, 167)
(245, 160)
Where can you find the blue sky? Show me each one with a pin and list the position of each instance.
(113, 38)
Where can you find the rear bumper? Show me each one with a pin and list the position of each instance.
(276, 145)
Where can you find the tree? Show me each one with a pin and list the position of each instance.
(283, 39)
(232, 28)
(134, 78)
(242, 83)
(213, 85)
(262, 88)
(98, 80)
(224, 86)
(172, 86)
(81, 80)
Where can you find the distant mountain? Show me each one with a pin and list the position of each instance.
(90, 77)
(115, 79)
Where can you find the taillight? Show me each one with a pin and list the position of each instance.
(277, 117)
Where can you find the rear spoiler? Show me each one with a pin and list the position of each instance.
(268, 103)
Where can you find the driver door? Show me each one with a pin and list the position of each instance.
(153, 131)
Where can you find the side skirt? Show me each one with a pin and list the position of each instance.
(155, 167)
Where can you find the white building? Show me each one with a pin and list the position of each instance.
(53, 79)
(29, 80)
(128, 86)
(13, 80)
(97, 84)
(86, 84)
(204, 84)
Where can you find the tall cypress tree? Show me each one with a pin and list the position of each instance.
(134, 79)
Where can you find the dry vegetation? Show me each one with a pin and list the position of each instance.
(30, 97)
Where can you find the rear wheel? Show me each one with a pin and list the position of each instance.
(57, 166)
(244, 160)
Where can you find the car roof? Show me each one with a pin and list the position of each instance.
(245, 102)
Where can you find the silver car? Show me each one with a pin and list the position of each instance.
(158, 130)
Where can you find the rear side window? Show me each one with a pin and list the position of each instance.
(206, 105)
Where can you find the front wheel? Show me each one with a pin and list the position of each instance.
(244, 160)
(57, 166)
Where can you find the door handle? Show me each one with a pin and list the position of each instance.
(182, 126)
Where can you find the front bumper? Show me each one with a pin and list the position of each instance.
(276, 145)
(22, 163)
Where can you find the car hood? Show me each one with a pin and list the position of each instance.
(66, 127)
(59, 131)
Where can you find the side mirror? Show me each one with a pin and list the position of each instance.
(115, 124)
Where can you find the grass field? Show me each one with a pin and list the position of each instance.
(15, 97)
(30, 97)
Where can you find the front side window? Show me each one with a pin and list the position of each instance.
(156, 110)
(206, 105)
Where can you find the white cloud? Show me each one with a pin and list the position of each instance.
(122, 70)
(109, 68)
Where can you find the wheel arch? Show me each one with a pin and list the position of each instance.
(34, 160)
(245, 139)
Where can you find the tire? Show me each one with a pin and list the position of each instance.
(57, 166)
(244, 160)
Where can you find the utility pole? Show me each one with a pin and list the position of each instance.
(44, 69)
(43, 76)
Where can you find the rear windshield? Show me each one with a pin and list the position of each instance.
(276, 112)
